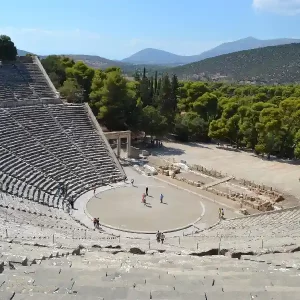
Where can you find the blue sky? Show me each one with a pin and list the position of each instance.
(116, 29)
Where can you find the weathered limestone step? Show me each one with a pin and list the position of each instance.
(285, 260)
(42, 296)
(31, 252)
(236, 295)
(14, 259)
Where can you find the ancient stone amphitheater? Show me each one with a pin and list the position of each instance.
(47, 254)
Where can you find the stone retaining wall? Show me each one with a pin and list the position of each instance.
(208, 172)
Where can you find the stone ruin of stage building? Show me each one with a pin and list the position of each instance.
(248, 194)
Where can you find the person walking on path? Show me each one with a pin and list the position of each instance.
(162, 237)
(144, 198)
(158, 234)
(146, 191)
(132, 182)
(95, 222)
(161, 198)
(71, 201)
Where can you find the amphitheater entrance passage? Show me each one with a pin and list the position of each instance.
(120, 140)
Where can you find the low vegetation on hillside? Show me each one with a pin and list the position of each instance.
(269, 65)
(263, 118)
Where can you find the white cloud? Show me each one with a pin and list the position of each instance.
(283, 7)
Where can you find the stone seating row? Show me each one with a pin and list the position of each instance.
(257, 245)
(36, 214)
(20, 223)
(26, 255)
(75, 121)
(277, 223)
(284, 260)
(17, 88)
(37, 151)
(100, 275)
(24, 204)
(36, 79)
(24, 81)
(14, 186)
(272, 231)
(43, 128)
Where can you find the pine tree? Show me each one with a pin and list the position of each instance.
(165, 95)
(155, 83)
(145, 90)
(174, 92)
(158, 86)
(151, 90)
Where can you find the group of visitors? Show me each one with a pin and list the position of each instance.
(155, 143)
(96, 222)
(160, 237)
(146, 194)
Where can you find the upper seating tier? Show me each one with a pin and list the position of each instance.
(24, 81)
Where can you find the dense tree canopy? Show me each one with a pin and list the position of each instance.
(265, 119)
(8, 51)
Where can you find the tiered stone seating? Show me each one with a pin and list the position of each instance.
(13, 85)
(277, 223)
(23, 81)
(5, 92)
(29, 179)
(49, 133)
(25, 255)
(39, 149)
(100, 275)
(75, 121)
(107, 268)
(25, 220)
(276, 231)
(35, 79)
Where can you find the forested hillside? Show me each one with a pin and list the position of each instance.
(263, 118)
(269, 65)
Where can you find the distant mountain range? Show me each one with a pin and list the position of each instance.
(160, 57)
(268, 65)
(22, 52)
(195, 65)
(98, 62)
